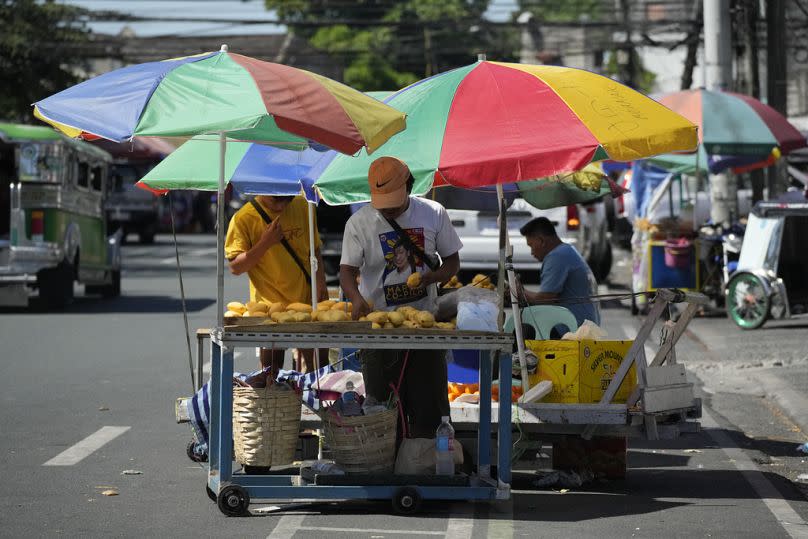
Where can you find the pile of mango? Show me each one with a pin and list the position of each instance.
(482, 281)
(281, 313)
(334, 311)
(457, 389)
(406, 317)
(479, 281)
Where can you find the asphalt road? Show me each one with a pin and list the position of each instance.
(95, 387)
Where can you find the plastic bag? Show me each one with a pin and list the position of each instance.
(587, 330)
(480, 316)
(448, 303)
(416, 456)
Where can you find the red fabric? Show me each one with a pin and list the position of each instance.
(506, 125)
(302, 106)
(788, 138)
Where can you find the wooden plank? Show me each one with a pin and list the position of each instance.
(659, 399)
(639, 342)
(666, 376)
(678, 331)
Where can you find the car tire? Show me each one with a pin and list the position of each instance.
(56, 285)
(146, 236)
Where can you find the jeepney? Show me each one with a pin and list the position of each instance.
(52, 222)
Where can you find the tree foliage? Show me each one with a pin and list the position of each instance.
(414, 38)
(36, 53)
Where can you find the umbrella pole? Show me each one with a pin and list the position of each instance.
(506, 266)
(312, 258)
(220, 234)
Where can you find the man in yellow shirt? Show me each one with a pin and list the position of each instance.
(255, 245)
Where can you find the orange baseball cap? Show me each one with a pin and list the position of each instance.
(388, 182)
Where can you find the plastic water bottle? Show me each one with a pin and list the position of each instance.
(350, 405)
(444, 448)
(803, 448)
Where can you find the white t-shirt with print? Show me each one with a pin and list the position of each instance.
(384, 263)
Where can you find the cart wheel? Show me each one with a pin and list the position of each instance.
(211, 494)
(233, 501)
(748, 303)
(194, 455)
(406, 501)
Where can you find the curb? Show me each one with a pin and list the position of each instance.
(793, 404)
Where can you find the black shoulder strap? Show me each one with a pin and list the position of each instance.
(405, 238)
(268, 220)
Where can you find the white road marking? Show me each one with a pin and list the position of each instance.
(363, 530)
(501, 527)
(287, 527)
(195, 252)
(791, 522)
(86, 447)
(459, 528)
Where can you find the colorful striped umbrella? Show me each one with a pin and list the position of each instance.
(253, 169)
(733, 124)
(218, 92)
(494, 123)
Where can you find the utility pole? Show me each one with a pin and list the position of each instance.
(750, 10)
(718, 74)
(717, 44)
(776, 75)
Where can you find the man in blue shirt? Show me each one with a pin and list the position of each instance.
(566, 279)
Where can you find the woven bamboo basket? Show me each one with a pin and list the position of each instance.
(365, 443)
(266, 424)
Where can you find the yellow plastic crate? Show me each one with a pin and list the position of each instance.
(582, 370)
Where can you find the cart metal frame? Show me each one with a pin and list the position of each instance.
(234, 490)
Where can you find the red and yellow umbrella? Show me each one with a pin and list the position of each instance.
(494, 123)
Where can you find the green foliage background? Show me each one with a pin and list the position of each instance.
(37, 53)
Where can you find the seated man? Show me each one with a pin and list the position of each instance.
(566, 279)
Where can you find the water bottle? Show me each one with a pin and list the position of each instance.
(350, 405)
(444, 448)
(803, 448)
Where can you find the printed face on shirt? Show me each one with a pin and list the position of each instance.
(400, 263)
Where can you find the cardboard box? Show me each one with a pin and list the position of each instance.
(582, 370)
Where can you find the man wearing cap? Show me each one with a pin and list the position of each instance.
(375, 251)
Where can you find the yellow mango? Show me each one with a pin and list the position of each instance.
(236, 307)
(302, 317)
(278, 307)
(299, 307)
(380, 317)
(395, 318)
(425, 319)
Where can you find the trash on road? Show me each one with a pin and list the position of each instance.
(693, 451)
(131, 472)
(110, 492)
(563, 479)
(803, 448)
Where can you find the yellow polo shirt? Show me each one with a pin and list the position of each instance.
(276, 276)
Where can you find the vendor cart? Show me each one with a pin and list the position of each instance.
(661, 406)
(234, 490)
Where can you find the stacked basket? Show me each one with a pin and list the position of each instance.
(266, 423)
(364, 443)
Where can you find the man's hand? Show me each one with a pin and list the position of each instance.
(360, 308)
(322, 291)
(272, 234)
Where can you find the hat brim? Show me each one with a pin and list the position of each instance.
(382, 201)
